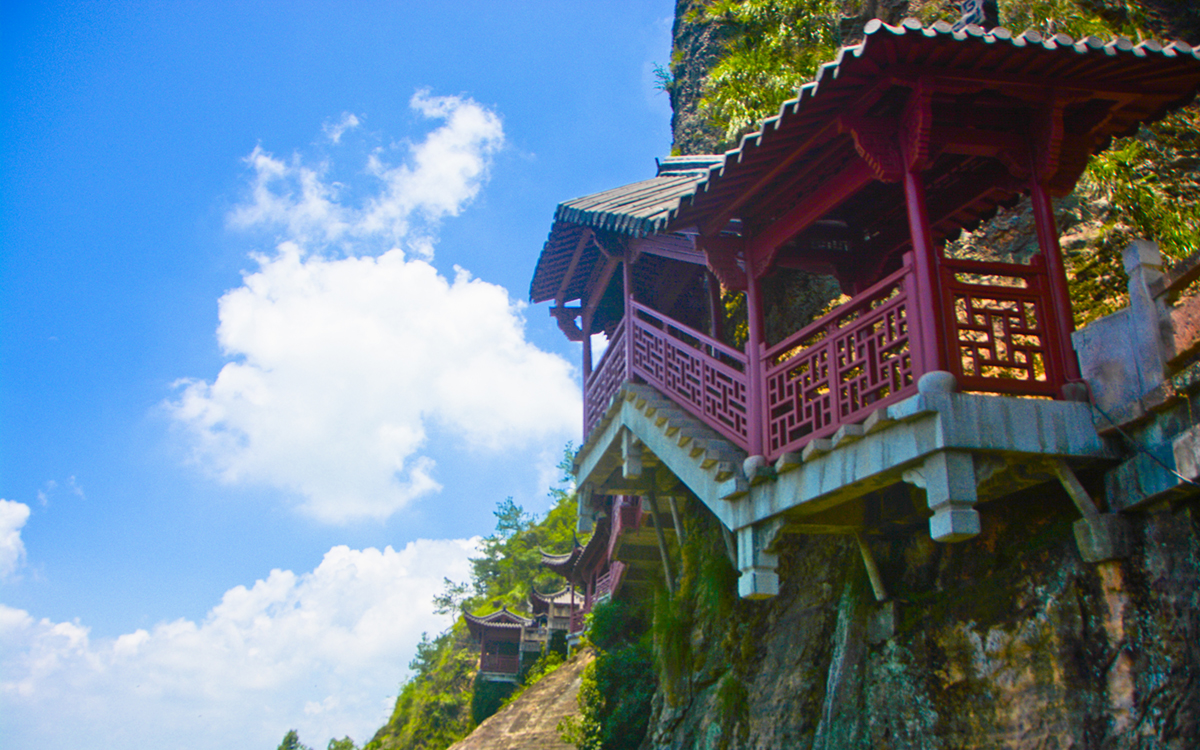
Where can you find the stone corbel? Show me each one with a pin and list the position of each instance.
(586, 515)
(948, 478)
(1100, 536)
(758, 565)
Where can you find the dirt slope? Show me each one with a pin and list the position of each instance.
(530, 722)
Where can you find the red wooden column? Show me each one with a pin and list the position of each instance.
(1060, 297)
(756, 385)
(929, 324)
(627, 293)
(586, 321)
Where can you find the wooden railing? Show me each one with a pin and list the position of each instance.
(604, 381)
(841, 367)
(1001, 337)
(998, 337)
(699, 373)
(500, 663)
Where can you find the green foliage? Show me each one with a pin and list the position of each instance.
(344, 743)
(1072, 18)
(734, 703)
(291, 741)
(1151, 181)
(451, 600)
(614, 697)
(433, 710)
(776, 45)
(584, 731)
(487, 697)
(443, 702)
(511, 560)
(547, 663)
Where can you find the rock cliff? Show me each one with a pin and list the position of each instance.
(1009, 640)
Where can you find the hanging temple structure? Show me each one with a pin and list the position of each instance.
(938, 383)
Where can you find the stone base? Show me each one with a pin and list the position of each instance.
(758, 583)
(954, 524)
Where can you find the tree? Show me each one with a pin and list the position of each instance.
(450, 601)
(344, 743)
(291, 741)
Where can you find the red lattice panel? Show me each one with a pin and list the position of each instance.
(841, 367)
(1000, 320)
(699, 373)
(604, 381)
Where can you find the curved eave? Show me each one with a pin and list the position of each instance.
(837, 80)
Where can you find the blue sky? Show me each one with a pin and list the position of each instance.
(263, 269)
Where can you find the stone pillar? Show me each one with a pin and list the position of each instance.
(1151, 328)
(759, 568)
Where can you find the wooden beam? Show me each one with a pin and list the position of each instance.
(762, 246)
(714, 226)
(662, 543)
(597, 290)
(584, 237)
(1024, 87)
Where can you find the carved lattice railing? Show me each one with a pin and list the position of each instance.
(699, 373)
(841, 367)
(996, 337)
(999, 316)
(604, 380)
(500, 663)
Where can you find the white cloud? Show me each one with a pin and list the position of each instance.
(12, 550)
(340, 364)
(444, 173)
(321, 652)
(334, 130)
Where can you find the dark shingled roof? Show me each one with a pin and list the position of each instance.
(1047, 61)
(690, 190)
(639, 209)
(633, 210)
(502, 619)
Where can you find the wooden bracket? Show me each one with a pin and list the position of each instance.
(721, 254)
(875, 141)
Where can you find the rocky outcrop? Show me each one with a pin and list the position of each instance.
(1007, 641)
(531, 721)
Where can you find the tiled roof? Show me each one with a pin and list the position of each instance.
(910, 43)
(633, 210)
(501, 619)
(563, 596)
(641, 208)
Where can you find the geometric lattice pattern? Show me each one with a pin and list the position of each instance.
(837, 370)
(699, 373)
(604, 381)
(841, 367)
(999, 326)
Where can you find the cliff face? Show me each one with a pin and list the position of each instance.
(1009, 640)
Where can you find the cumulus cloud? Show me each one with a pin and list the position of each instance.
(405, 201)
(12, 550)
(345, 347)
(321, 652)
(340, 365)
